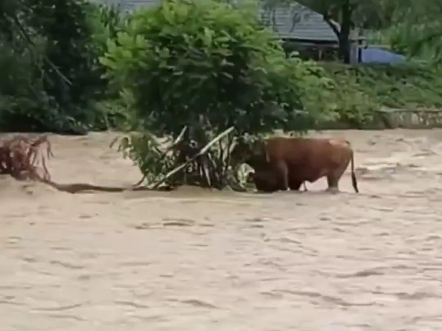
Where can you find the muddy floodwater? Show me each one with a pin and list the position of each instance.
(200, 261)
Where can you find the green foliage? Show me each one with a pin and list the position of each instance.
(208, 65)
(399, 39)
(361, 90)
(24, 104)
(106, 23)
(51, 75)
(70, 47)
(414, 30)
(420, 29)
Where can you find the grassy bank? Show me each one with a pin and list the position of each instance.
(361, 91)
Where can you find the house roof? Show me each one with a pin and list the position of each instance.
(293, 21)
(296, 21)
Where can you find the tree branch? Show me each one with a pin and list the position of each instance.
(332, 25)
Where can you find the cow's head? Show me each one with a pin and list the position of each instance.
(250, 150)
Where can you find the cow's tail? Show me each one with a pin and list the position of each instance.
(354, 182)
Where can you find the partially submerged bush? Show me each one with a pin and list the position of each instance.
(209, 66)
(22, 157)
(170, 164)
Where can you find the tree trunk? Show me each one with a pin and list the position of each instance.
(344, 36)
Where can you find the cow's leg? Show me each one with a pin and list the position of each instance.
(335, 176)
(263, 186)
(305, 187)
(283, 172)
(333, 181)
(295, 185)
(332, 189)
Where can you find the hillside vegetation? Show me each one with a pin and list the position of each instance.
(361, 90)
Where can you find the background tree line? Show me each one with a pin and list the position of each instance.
(52, 79)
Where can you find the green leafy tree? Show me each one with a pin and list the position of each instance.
(208, 66)
(70, 47)
(413, 29)
(61, 81)
(420, 31)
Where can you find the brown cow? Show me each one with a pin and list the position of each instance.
(285, 163)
